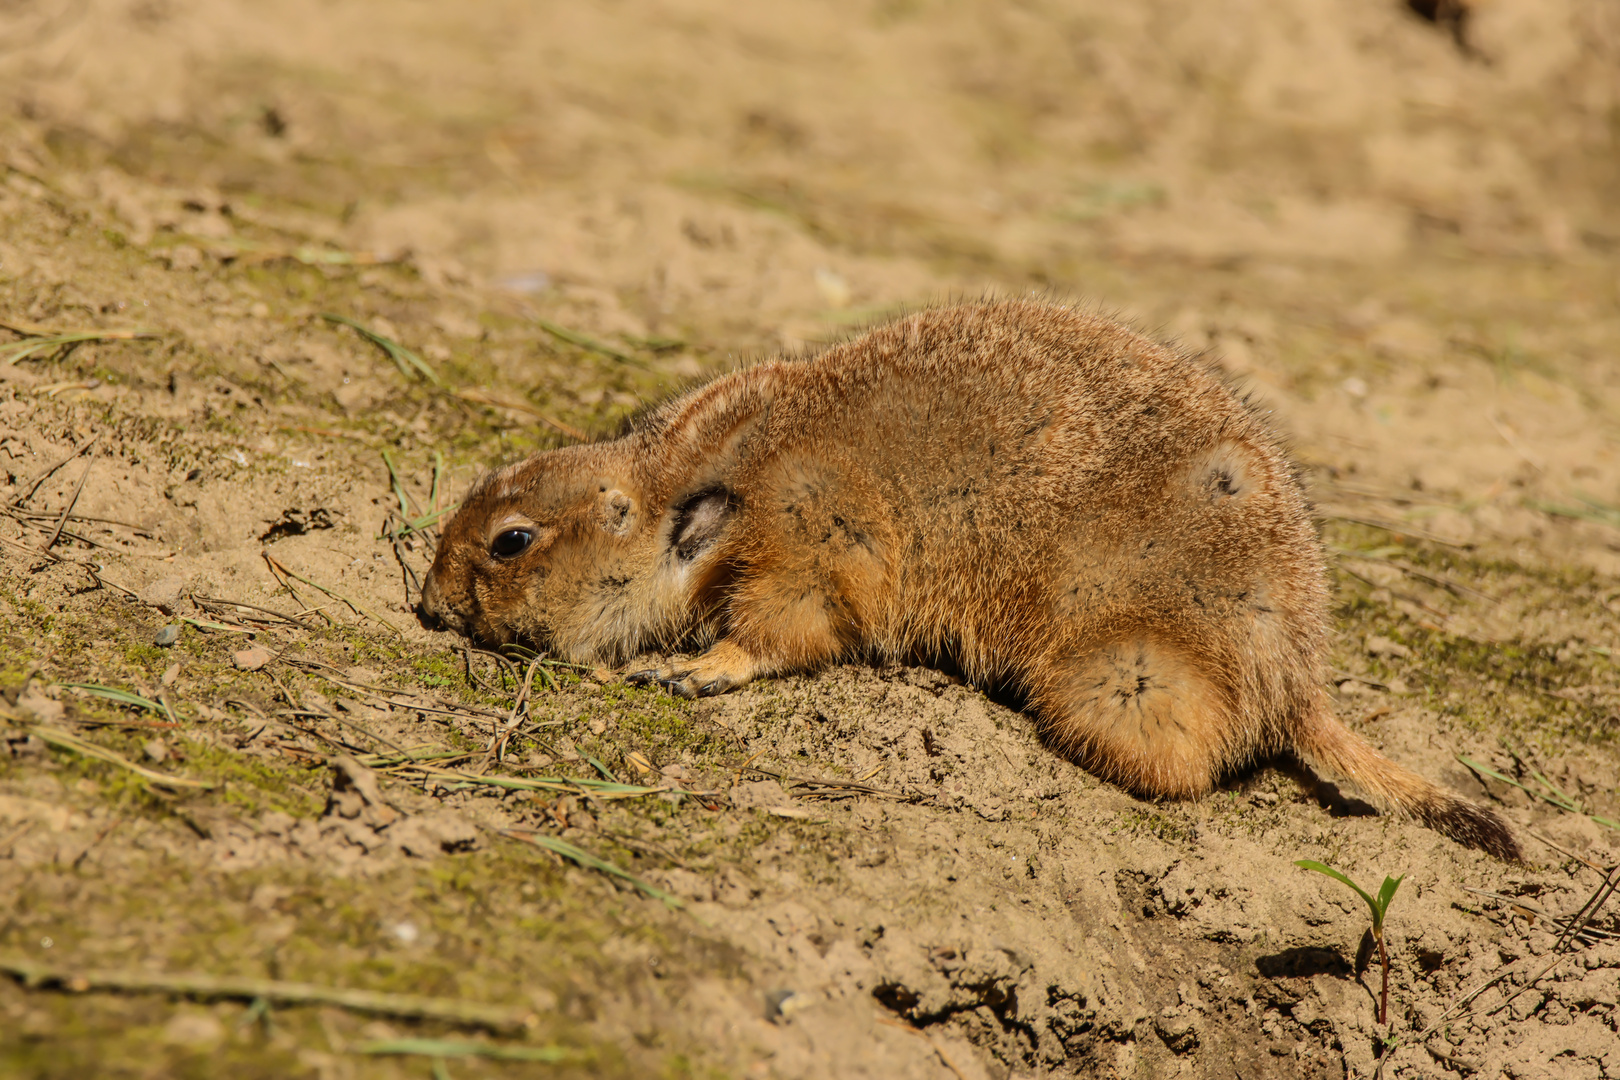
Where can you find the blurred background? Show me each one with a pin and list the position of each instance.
(701, 160)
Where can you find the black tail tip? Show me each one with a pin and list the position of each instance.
(1474, 826)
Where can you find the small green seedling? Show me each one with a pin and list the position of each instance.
(1379, 906)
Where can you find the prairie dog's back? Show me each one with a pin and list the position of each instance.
(1028, 476)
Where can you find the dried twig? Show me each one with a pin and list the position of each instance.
(406, 1006)
(213, 604)
(504, 732)
(78, 489)
(277, 565)
(819, 787)
(92, 569)
(481, 397)
(597, 789)
(66, 740)
(22, 499)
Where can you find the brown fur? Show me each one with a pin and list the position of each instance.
(1054, 502)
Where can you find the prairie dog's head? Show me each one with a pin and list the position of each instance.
(563, 552)
(535, 549)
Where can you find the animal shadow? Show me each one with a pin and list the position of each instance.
(1301, 962)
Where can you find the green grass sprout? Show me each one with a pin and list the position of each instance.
(59, 345)
(1551, 793)
(573, 337)
(1379, 906)
(122, 697)
(590, 862)
(404, 359)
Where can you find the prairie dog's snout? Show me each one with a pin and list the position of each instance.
(1055, 502)
(432, 610)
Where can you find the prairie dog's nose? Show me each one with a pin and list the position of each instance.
(431, 611)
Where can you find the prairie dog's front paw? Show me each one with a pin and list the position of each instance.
(724, 667)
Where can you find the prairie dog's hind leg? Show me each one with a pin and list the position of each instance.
(1138, 713)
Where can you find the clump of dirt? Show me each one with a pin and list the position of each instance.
(276, 288)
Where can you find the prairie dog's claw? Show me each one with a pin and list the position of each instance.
(678, 685)
(723, 668)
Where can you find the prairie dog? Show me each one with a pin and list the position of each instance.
(1056, 503)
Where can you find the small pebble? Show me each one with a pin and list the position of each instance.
(1380, 646)
(167, 636)
(156, 750)
(171, 673)
(251, 659)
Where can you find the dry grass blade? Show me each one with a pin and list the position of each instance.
(286, 583)
(819, 787)
(597, 789)
(216, 606)
(454, 1048)
(1441, 618)
(332, 433)
(66, 740)
(1397, 528)
(389, 696)
(22, 499)
(61, 522)
(480, 397)
(504, 732)
(25, 329)
(1576, 925)
(496, 1018)
(311, 709)
(573, 337)
(1433, 577)
(381, 761)
(204, 624)
(60, 345)
(1529, 909)
(358, 609)
(40, 515)
(1564, 851)
(584, 858)
(404, 359)
(1590, 510)
(92, 569)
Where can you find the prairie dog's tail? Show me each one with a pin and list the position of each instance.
(1328, 745)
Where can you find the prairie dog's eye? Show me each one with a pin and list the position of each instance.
(511, 543)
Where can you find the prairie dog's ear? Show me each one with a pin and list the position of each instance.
(615, 512)
(699, 520)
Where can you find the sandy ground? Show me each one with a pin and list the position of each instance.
(1401, 236)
